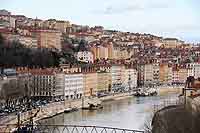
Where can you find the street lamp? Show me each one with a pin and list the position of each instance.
(129, 82)
(18, 121)
(187, 87)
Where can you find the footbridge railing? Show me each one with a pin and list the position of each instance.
(63, 129)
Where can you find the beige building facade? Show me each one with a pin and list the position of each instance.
(48, 38)
(90, 84)
(62, 26)
(103, 82)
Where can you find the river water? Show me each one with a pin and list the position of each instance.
(130, 113)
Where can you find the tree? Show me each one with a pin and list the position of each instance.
(82, 46)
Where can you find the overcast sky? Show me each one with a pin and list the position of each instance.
(168, 18)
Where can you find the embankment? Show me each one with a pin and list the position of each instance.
(163, 90)
(56, 108)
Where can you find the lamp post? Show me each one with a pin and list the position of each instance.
(83, 102)
(185, 95)
(129, 82)
(18, 122)
(188, 87)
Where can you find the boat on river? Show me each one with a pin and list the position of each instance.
(93, 107)
(145, 92)
(69, 110)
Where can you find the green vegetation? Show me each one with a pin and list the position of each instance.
(14, 54)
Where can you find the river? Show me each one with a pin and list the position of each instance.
(130, 113)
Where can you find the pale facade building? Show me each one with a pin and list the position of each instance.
(66, 68)
(183, 75)
(175, 76)
(110, 51)
(116, 53)
(73, 85)
(103, 52)
(151, 74)
(130, 81)
(194, 69)
(117, 73)
(28, 41)
(12, 22)
(99, 52)
(62, 26)
(85, 56)
(172, 43)
(179, 75)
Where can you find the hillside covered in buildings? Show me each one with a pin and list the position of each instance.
(60, 59)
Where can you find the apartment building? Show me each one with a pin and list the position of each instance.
(118, 78)
(85, 56)
(66, 68)
(28, 41)
(193, 69)
(151, 74)
(110, 51)
(172, 43)
(140, 68)
(175, 76)
(165, 74)
(62, 26)
(100, 52)
(48, 38)
(45, 84)
(104, 82)
(73, 85)
(183, 74)
(90, 83)
(130, 81)
(103, 52)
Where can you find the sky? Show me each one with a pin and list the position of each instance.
(167, 18)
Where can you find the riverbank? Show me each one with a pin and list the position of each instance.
(115, 113)
(162, 90)
(78, 104)
(113, 97)
(56, 108)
